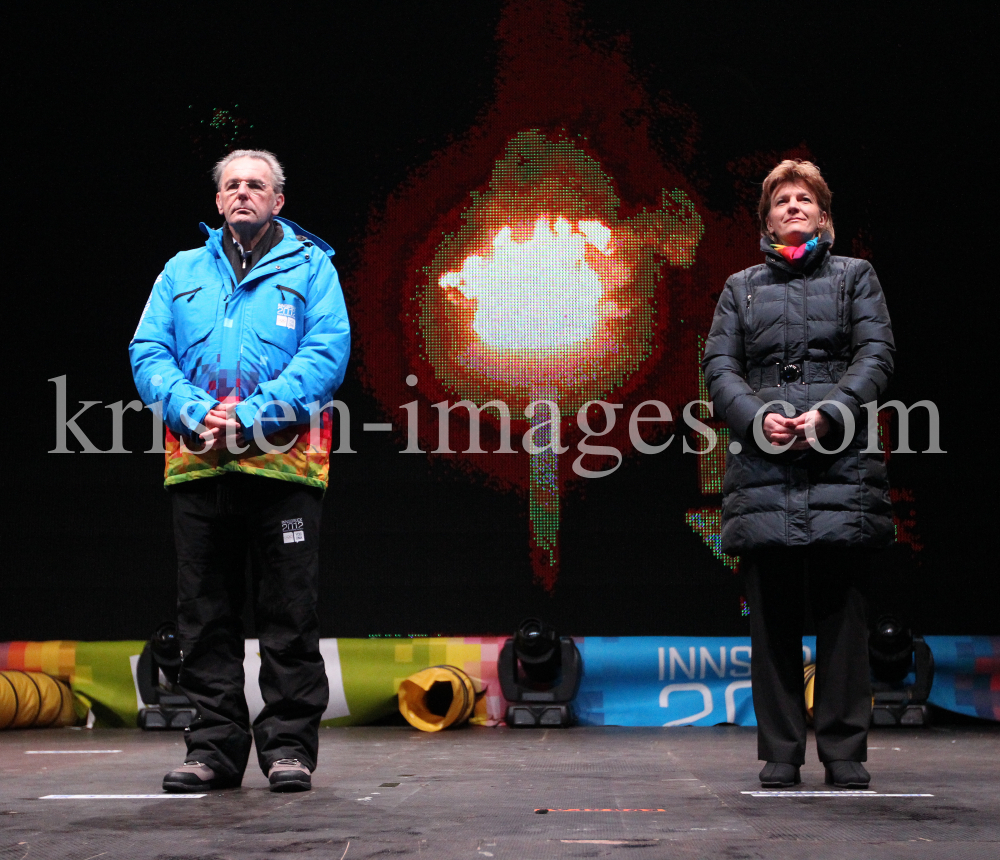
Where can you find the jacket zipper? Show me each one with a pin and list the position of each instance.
(840, 308)
(188, 293)
(805, 328)
(784, 328)
(746, 283)
(282, 289)
(258, 272)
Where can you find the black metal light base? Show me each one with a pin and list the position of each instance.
(535, 716)
(166, 707)
(164, 717)
(900, 715)
(894, 657)
(539, 673)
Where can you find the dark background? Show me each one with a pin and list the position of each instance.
(110, 175)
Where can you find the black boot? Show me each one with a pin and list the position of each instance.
(847, 774)
(777, 774)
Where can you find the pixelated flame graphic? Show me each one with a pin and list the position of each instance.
(545, 284)
(548, 294)
(540, 293)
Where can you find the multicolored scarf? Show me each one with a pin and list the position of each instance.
(795, 253)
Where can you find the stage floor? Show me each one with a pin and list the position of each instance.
(474, 792)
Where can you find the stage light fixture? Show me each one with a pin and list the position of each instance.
(156, 674)
(540, 675)
(895, 654)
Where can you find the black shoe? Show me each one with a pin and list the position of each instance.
(194, 776)
(847, 774)
(289, 774)
(777, 774)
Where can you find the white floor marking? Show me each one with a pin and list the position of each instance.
(837, 793)
(163, 796)
(69, 752)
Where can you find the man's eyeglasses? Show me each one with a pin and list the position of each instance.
(254, 186)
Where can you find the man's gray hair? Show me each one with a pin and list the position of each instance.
(263, 155)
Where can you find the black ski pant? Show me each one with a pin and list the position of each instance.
(218, 523)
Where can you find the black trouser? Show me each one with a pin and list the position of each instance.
(777, 581)
(217, 521)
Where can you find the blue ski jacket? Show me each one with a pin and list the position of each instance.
(277, 344)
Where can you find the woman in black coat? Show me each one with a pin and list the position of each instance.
(798, 346)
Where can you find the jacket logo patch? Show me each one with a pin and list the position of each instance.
(286, 316)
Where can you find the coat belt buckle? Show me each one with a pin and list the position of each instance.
(790, 372)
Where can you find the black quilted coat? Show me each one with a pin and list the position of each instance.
(802, 334)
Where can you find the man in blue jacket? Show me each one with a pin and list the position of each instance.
(242, 344)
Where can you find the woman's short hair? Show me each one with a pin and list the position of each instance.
(277, 173)
(798, 171)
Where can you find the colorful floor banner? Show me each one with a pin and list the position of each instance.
(627, 681)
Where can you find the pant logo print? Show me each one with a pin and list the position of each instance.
(291, 530)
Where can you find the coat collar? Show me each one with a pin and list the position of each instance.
(813, 260)
(294, 234)
(291, 250)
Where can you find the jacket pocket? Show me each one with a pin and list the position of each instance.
(194, 319)
(277, 320)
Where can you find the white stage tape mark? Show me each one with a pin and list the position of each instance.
(162, 796)
(838, 793)
(69, 752)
